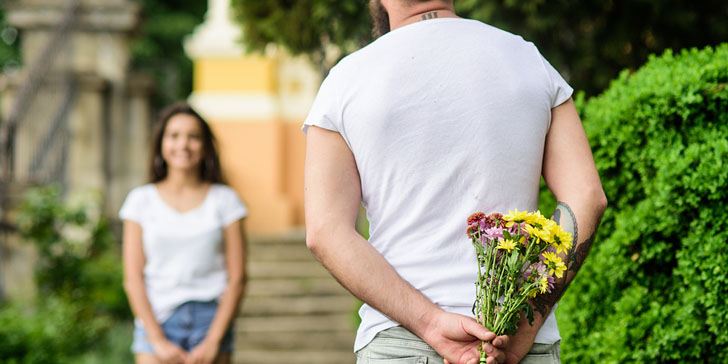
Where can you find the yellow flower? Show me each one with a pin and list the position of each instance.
(506, 244)
(543, 284)
(554, 263)
(541, 233)
(563, 241)
(532, 230)
(543, 221)
(515, 216)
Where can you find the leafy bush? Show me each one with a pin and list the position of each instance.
(54, 332)
(79, 278)
(655, 285)
(78, 259)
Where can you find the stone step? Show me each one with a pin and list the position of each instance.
(286, 341)
(294, 287)
(294, 357)
(294, 237)
(311, 305)
(266, 270)
(280, 252)
(295, 324)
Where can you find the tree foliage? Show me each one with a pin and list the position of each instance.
(653, 289)
(158, 50)
(589, 41)
(8, 45)
(305, 26)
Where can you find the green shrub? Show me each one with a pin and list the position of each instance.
(654, 288)
(78, 257)
(54, 332)
(79, 279)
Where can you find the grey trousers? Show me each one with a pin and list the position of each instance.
(399, 346)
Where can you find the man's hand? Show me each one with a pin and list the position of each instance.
(457, 338)
(204, 353)
(518, 347)
(169, 353)
(521, 342)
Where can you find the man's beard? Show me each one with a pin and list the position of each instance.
(380, 18)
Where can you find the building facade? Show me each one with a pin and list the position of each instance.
(255, 104)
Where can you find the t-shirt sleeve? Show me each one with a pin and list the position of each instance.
(325, 111)
(133, 206)
(231, 207)
(560, 89)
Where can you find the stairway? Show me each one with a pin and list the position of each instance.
(294, 311)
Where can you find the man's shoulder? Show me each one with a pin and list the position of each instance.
(492, 33)
(469, 32)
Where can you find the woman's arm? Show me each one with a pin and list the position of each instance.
(228, 307)
(134, 261)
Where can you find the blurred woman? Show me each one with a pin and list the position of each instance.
(183, 247)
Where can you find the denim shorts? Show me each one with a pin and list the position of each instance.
(398, 345)
(186, 328)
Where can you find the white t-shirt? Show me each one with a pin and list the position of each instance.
(444, 117)
(184, 251)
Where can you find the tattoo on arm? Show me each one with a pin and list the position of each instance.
(568, 221)
(430, 15)
(575, 257)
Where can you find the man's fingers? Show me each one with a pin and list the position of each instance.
(499, 357)
(473, 328)
(501, 341)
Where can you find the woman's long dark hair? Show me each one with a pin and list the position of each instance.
(210, 169)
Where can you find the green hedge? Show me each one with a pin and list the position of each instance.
(654, 288)
(55, 331)
(79, 279)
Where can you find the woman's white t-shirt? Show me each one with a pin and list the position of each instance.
(184, 251)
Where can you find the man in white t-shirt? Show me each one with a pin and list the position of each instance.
(440, 117)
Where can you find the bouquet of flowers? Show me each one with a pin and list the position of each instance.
(519, 257)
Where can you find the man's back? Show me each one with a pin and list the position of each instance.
(444, 117)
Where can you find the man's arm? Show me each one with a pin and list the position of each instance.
(570, 173)
(333, 196)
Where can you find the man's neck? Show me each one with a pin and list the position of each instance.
(401, 15)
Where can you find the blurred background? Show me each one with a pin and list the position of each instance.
(81, 82)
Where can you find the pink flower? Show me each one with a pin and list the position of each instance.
(494, 233)
(535, 271)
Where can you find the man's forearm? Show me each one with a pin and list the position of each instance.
(581, 220)
(366, 274)
(566, 217)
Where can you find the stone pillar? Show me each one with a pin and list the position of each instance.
(137, 134)
(87, 149)
(98, 49)
(107, 117)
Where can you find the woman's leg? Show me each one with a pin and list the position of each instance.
(147, 359)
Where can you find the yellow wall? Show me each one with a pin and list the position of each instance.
(295, 145)
(263, 161)
(262, 156)
(250, 73)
